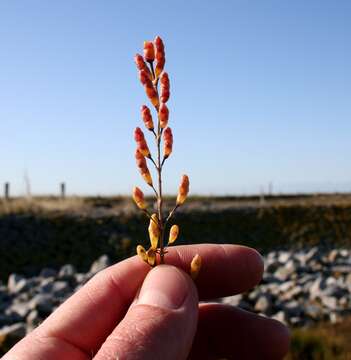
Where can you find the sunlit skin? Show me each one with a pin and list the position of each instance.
(99, 321)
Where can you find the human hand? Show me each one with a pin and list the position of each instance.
(129, 311)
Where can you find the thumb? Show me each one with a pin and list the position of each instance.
(161, 323)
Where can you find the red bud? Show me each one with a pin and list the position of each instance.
(149, 51)
(168, 142)
(160, 56)
(141, 164)
(152, 94)
(164, 80)
(144, 77)
(163, 114)
(147, 118)
(140, 63)
(141, 142)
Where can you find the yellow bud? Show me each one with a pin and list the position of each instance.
(138, 197)
(195, 266)
(147, 177)
(154, 231)
(173, 234)
(151, 257)
(183, 190)
(142, 253)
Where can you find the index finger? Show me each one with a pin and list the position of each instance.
(88, 317)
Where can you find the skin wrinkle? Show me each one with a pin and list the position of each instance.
(66, 341)
(45, 339)
(87, 291)
(117, 288)
(145, 325)
(126, 335)
(124, 303)
(62, 336)
(110, 280)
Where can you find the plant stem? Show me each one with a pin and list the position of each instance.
(160, 199)
(152, 160)
(170, 214)
(158, 167)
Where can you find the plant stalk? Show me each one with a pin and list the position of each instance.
(158, 167)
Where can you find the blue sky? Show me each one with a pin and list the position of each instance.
(260, 92)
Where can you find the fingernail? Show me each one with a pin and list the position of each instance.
(165, 286)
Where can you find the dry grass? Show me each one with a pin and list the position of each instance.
(322, 342)
(79, 204)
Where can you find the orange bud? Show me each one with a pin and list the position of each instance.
(138, 135)
(149, 51)
(142, 253)
(159, 66)
(183, 190)
(160, 56)
(154, 231)
(140, 63)
(195, 266)
(168, 142)
(141, 142)
(152, 94)
(144, 77)
(173, 234)
(164, 80)
(163, 114)
(164, 95)
(147, 118)
(159, 44)
(151, 256)
(138, 197)
(141, 164)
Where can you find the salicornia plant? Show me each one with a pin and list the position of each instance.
(157, 88)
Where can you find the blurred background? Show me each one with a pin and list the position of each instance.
(260, 113)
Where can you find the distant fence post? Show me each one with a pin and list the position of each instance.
(7, 191)
(63, 190)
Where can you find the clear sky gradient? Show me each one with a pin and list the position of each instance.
(260, 92)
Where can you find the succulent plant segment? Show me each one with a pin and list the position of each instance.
(157, 88)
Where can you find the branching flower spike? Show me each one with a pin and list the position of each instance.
(152, 76)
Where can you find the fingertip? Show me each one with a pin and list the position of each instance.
(255, 265)
(162, 321)
(280, 336)
(167, 286)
